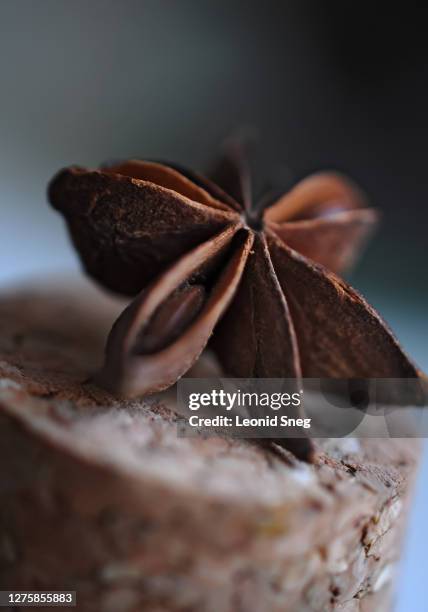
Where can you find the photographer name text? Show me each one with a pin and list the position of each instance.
(239, 401)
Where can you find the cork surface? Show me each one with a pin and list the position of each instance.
(100, 496)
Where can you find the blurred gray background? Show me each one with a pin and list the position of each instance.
(324, 85)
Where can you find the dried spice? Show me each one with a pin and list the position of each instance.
(207, 265)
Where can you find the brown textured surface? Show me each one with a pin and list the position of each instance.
(259, 314)
(101, 496)
(129, 228)
(336, 328)
(130, 372)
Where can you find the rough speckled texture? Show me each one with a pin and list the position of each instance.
(101, 496)
(126, 244)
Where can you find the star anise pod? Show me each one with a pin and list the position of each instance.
(204, 262)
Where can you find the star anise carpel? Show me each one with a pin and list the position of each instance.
(206, 264)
